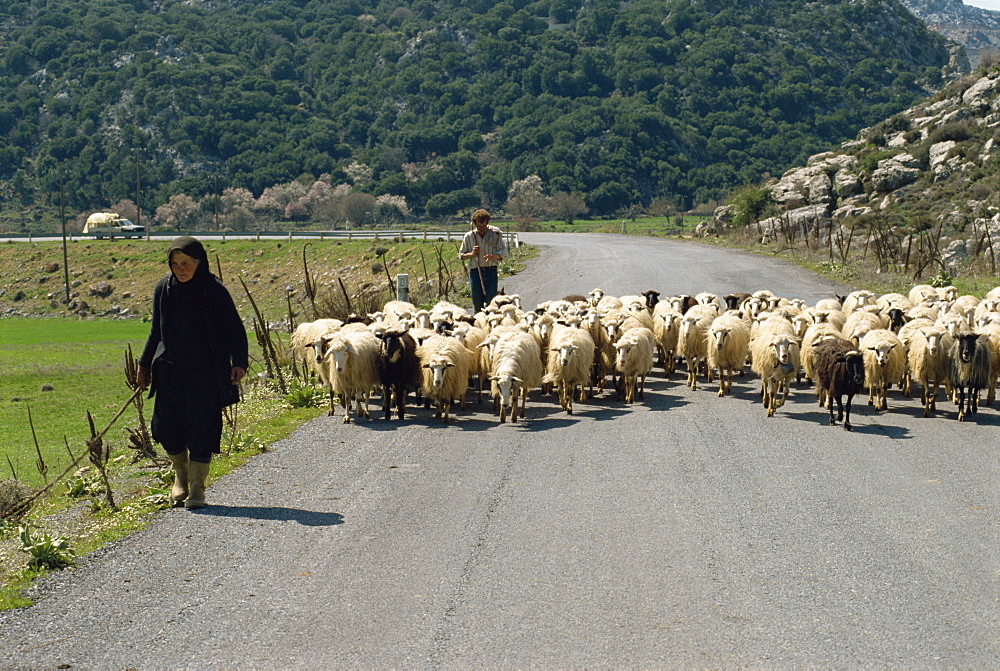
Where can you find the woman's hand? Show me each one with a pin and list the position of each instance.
(236, 374)
(142, 377)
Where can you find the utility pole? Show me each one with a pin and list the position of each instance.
(62, 216)
(138, 202)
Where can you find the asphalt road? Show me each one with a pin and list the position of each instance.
(682, 531)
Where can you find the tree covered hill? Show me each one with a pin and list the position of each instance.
(444, 102)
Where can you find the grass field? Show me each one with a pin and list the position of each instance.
(82, 361)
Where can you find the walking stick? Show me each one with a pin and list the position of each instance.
(479, 268)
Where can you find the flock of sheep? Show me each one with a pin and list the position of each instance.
(572, 346)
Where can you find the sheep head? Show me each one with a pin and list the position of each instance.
(508, 387)
(782, 348)
(438, 366)
(881, 351)
(565, 353)
(720, 333)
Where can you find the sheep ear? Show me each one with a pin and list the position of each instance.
(426, 365)
(494, 377)
(449, 364)
(517, 379)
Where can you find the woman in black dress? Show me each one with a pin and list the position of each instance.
(194, 359)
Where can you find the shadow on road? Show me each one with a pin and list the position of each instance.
(307, 518)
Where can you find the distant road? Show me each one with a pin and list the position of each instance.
(684, 531)
(620, 264)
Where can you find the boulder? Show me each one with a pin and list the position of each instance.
(789, 195)
(981, 95)
(847, 184)
(819, 189)
(724, 215)
(939, 152)
(954, 254)
(851, 211)
(705, 229)
(988, 150)
(891, 175)
(802, 220)
(102, 289)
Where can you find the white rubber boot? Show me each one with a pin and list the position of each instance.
(179, 491)
(197, 472)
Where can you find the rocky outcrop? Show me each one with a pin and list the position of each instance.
(976, 30)
(909, 168)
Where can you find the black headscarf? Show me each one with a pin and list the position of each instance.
(193, 248)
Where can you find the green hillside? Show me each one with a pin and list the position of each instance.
(446, 103)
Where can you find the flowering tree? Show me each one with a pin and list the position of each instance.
(276, 198)
(359, 173)
(181, 211)
(390, 210)
(525, 200)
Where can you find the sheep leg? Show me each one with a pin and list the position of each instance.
(387, 401)
(786, 385)
(840, 411)
(847, 413)
(960, 394)
(346, 401)
(333, 404)
(401, 401)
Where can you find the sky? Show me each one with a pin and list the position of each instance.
(984, 4)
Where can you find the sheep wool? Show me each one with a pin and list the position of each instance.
(885, 364)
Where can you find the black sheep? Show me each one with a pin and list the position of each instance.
(398, 370)
(840, 371)
(652, 298)
(969, 369)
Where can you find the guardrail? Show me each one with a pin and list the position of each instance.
(511, 238)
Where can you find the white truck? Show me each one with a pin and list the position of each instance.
(110, 225)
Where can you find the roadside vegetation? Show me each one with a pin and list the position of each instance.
(65, 378)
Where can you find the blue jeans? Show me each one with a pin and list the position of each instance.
(479, 298)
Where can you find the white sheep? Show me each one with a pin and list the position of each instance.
(727, 348)
(666, 331)
(860, 322)
(885, 364)
(351, 358)
(921, 293)
(928, 363)
(857, 300)
(471, 336)
(313, 335)
(633, 361)
(992, 332)
(828, 304)
(570, 361)
(693, 338)
(774, 354)
(444, 364)
(516, 369)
